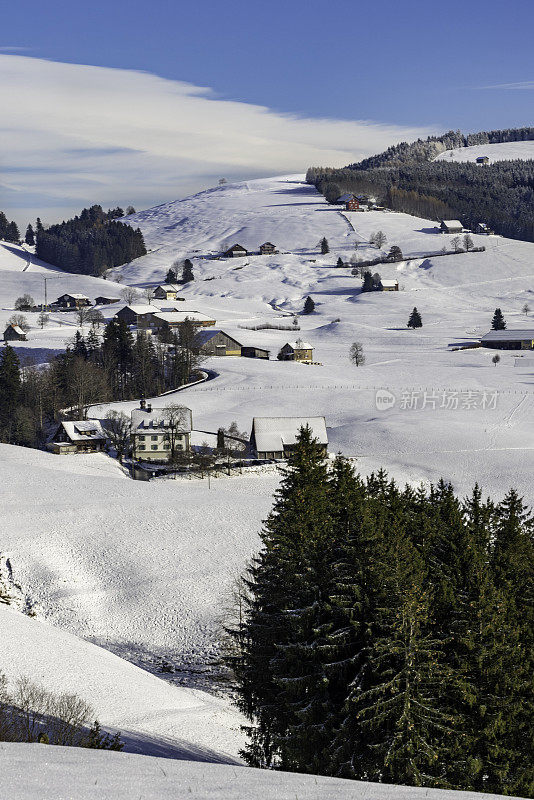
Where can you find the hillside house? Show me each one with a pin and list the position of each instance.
(166, 291)
(267, 249)
(296, 351)
(389, 285)
(275, 437)
(451, 226)
(355, 204)
(518, 339)
(484, 229)
(236, 251)
(78, 436)
(14, 333)
(217, 343)
(174, 319)
(71, 302)
(101, 300)
(482, 160)
(154, 433)
(139, 315)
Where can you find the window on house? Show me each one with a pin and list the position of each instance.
(154, 438)
(142, 447)
(166, 446)
(141, 438)
(154, 447)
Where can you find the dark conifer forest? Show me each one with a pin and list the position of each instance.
(405, 178)
(90, 243)
(388, 633)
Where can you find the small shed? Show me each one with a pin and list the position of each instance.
(484, 229)
(236, 251)
(389, 285)
(267, 249)
(451, 226)
(78, 436)
(217, 343)
(518, 339)
(165, 291)
(252, 351)
(275, 437)
(14, 333)
(106, 301)
(296, 351)
(482, 160)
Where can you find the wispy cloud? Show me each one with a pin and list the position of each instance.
(517, 85)
(73, 134)
(11, 48)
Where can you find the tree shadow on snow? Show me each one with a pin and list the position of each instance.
(146, 745)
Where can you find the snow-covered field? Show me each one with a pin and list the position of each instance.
(503, 151)
(144, 569)
(61, 773)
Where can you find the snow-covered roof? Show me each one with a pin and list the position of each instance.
(388, 282)
(85, 430)
(157, 420)
(107, 297)
(205, 335)
(519, 334)
(141, 309)
(267, 244)
(344, 198)
(16, 328)
(299, 345)
(272, 433)
(452, 223)
(76, 296)
(181, 316)
(167, 287)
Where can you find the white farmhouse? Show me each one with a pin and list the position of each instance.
(156, 434)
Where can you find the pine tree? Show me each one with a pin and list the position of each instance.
(283, 582)
(309, 305)
(498, 322)
(187, 272)
(30, 236)
(340, 262)
(325, 248)
(10, 389)
(368, 282)
(12, 233)
(415, 320)
(171, 276)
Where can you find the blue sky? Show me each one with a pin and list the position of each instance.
(416, 65)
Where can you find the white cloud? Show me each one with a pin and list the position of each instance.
(73, 134)
(517, 85)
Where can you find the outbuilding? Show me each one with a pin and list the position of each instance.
(389, 285)
(101, 300)
(236, 251)
(276, 437)
(159, 319)
(451, 226)
(296, 351)
(139, 315)
(518, 339)
(482, 160)
(14, 333)
(71, 302)
(217, 343)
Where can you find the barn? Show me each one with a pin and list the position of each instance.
(275, 437)
(14, 333)
(236, 251)
(451, 226)
(518, 339)
(217, 343)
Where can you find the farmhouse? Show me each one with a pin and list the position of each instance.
(389, 286)
(106, 301)
(267, 249)
(483, 228)
(218, 343)
(275, 437)
(451, 226)
(155, 433)
(175, 318)
(166, 291)
(482, 160)
(138, 315)
(14, 333)
(79, 436)
(518, 339)
(236, 251)
(296, 351)
(72, 301)
(355, 204)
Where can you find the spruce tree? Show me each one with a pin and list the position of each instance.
(498, 323)
(187, 272)
(340, 262)
(325, 248)
(30, 236)
(171, 276)
(10, 389)
(309, 305)
(368, 282)
(12, 233)
(415, 320)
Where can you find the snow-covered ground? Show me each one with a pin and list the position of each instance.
(144, 569)
(503, 151)
(61, 773)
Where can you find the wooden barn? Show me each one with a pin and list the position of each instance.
(267, 249)
(138, 315)
(159, 319)
(296, 351)
(236, 251)
(518, 339)
(482, 160)
(217, 343)
(101, 300)
(165, 291)
(14, 333)
(451, 226)
(275, 437)
(390, 285)
(71, 302)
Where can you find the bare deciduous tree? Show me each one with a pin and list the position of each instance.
(117, 425)
(176, 424)
(130, 295)
(24, 303)
(20, 320)
(356, 355)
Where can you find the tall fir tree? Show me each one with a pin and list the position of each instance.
(30, 236)
(498, 323)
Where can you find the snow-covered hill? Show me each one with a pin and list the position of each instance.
(503, 151)
(63, 773)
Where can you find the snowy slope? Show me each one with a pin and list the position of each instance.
(504, 151)
(61, 773)
(144, 569)
(154, 717)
